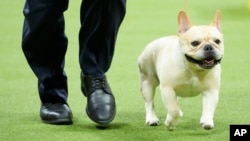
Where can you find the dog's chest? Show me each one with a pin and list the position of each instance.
(189, 87)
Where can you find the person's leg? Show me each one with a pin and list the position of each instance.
(44, 45)
(100, 21)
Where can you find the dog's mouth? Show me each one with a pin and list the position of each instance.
(206, 63)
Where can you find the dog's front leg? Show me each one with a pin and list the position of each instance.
(209, 101)
(170, 101)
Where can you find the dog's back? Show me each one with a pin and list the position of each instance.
(155, 49)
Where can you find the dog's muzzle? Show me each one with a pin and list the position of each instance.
(206, 63)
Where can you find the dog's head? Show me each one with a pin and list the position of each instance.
(201, 45)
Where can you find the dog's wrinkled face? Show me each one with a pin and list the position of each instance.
(201, 45)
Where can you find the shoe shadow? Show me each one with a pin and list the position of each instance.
(112, 126)
(87, 125)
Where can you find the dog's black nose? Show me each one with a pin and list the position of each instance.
(208, 48)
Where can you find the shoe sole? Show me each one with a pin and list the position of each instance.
(63, 121)
(102, 123)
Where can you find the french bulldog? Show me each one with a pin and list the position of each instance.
(183, 65)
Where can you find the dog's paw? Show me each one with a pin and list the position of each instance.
(181, 113)
(170, 127)
(153, 121)
(171, 122)
(207, 124)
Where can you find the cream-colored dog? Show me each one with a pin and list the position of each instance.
(184, 65)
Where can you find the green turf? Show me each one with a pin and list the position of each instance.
(144, 22)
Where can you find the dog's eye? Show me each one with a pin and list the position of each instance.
(217, 41)
(195, 43)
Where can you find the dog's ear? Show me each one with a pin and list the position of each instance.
(217, 19)
(183, 22)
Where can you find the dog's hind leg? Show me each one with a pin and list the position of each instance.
(181, 113)
(148, 85)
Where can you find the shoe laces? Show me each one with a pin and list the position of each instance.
(98, 82)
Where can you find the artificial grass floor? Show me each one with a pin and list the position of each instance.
(144, 22)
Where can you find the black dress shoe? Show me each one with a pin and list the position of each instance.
(101, 106)
(57, 113)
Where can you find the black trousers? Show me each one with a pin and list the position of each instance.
(44, 41)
